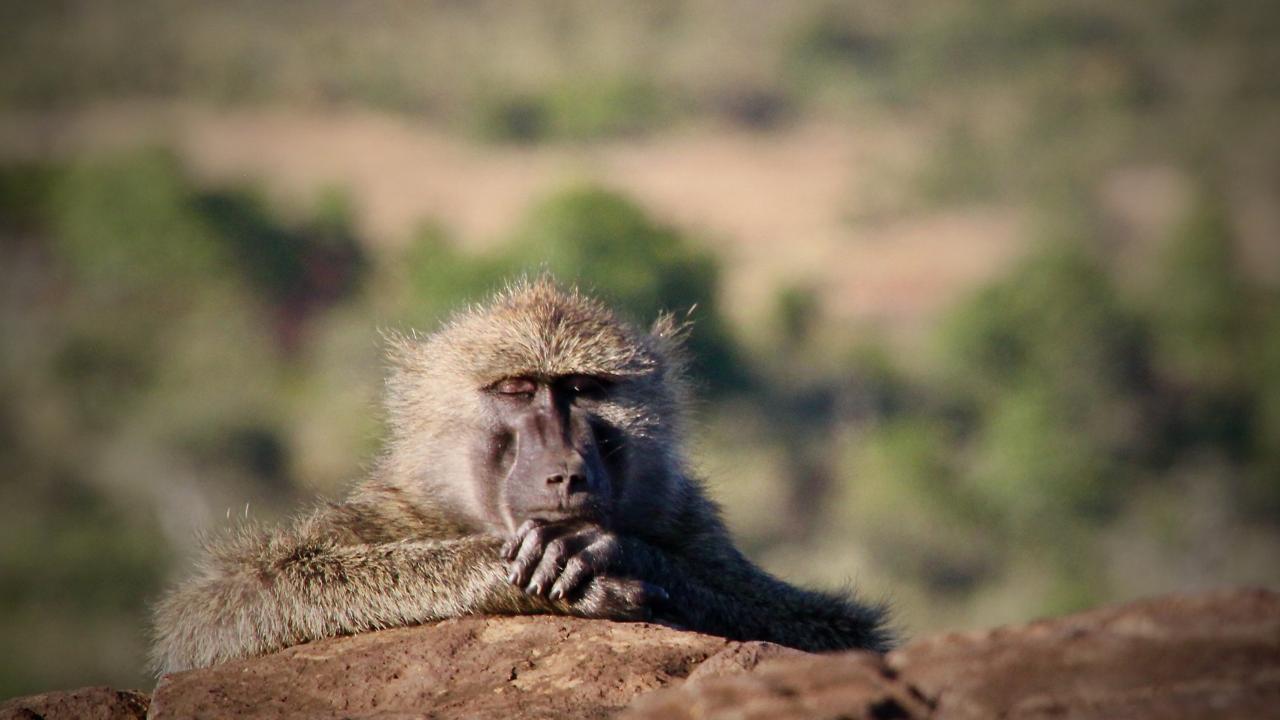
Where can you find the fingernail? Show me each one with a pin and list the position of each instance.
(536, 589)
(556, 593)
(513, 577)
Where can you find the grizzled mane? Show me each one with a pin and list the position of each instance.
(541, 329)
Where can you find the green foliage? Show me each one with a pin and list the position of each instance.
(838, 47)
(909, 499)
(97, 563)
(127, 223)
(25, 191)
(124, 231)
(603, 242)
(511, 117)
(316, 261)
(1200, 301)
(591, 109)
(961, 170)
(1055, 320)
(132, 230)
(1041, 390)
(1056, 396)
(439, 276)
(1263, 488)
(1040, 464)
(103, 374)
(89, 563)
(600, 241)
(831, 37)
(796, 315)
(135, 353)
(271, 256)
(577, 109)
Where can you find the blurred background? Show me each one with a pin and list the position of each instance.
(987, 293)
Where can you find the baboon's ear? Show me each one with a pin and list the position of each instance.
(399, 347)
(670, 335)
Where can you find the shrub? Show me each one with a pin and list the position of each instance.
(1199, 304)
(605, 243)
(127, 223)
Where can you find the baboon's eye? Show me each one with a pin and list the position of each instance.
(516, 387)
(585, 386)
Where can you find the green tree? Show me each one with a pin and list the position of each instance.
(603, 242)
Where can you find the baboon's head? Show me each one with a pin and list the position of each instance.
(540, 404)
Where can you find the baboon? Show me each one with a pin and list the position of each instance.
(533, 465)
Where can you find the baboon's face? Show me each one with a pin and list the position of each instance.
(541, 404)
(550, 455)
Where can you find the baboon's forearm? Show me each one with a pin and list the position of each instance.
(265, 598)
(730, 597)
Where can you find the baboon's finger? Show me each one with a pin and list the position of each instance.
(576, 570)
(621, 598)
(531, 547)
(553, 559)
(513, 543)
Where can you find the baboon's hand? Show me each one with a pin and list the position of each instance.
(577, 562)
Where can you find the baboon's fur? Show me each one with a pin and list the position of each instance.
(412, 544)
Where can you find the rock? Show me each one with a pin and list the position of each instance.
(91, 703)
(848, 685)
(740, 657)
(1207, 656)
(1215, 655)
(525, 667)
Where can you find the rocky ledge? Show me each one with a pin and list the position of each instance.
(1214, 655)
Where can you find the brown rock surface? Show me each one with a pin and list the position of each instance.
(91, 703)
(1207, 656)
(1214, 655)
(525, 667)
(849, 685)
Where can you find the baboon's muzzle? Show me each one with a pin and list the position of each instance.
(557, 472)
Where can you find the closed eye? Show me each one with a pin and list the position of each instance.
(590, 387)
(516, 387)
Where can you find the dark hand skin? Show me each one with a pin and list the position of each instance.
(582, 563)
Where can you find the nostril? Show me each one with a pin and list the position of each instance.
(556, 479)
(577, 482)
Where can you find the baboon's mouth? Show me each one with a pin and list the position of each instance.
(589, 513)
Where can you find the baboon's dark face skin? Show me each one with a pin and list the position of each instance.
(549, 456)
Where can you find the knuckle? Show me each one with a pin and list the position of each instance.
(597, 560)
(557, 547)
(576, 566)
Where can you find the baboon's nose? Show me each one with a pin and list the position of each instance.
(570, 477)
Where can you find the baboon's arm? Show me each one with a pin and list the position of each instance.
(719, 592)
(259, 593)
